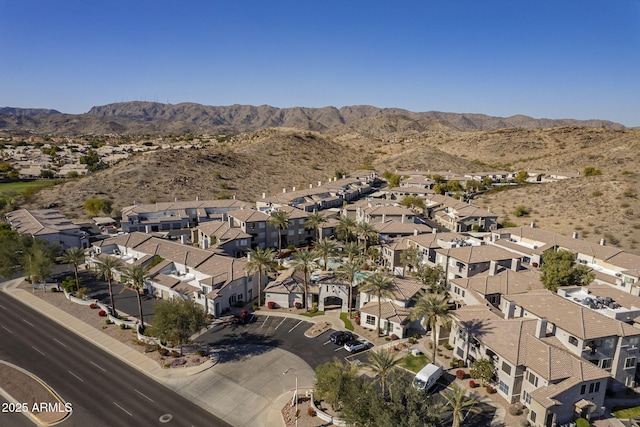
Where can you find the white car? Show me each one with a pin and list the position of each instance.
(354, 346)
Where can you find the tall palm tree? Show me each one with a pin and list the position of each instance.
(345, 228)
(353, 250)
(305, 261)
(260, 260)
(456, 398)
(314, 221)
(135, 275)
(279, 219)
(367, 233)
(74, 256)
(106, 268)
(382, 362)
(348, 271)
(431, 309)
(325, 248)
(382, 286)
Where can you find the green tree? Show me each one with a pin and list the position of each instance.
(305, 261)
(413, 202)
(326, 248)
(11, 251)
(75, 257)
(433, 277)
(280, 220)
(483, 370)
(175, 320)
(315, 221)
(411, 258)
(460, 404)
(382, 362)
(366, 233)
(521, 210)
(432, 309)
(521, 177)
(345, 229)
(454, 186)
(262, 261)
(438, 179)
(46, 173)
(135, 275)
(38, 262)
(331, 381)
(558, 269)
(106, 268)
(382, 286)
(348, 271)
(487, 181)
(95, 205)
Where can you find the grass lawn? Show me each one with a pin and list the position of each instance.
(347, 323)
(625, 411)
(20, 186)
(317, 313)
(414, 363)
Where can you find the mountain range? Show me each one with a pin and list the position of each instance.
(139, 117)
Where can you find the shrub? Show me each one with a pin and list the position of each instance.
(271, 304)
(459, 373)
(166, 366)
(175, 353)
(93, 305)
(521, 210)
(387, 338)
(472, 384)
(581, 422)
(460, 363)
(108, 321)
(102, 313)
(311, 412)
(515, 409)
(394, 337)
(54, 290)
(591, 171)
(358, 320)
(412, 340)
(298, 304)
(240, 304)
(123, 326)
(314, 307)
(447, 346)
(201, 353)
(490, 389)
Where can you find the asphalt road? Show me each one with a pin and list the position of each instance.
(102, 390)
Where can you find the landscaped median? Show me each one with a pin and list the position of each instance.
(27, 393)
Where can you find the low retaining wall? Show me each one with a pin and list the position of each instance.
(324, 416)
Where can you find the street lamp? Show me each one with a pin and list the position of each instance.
(295, 395)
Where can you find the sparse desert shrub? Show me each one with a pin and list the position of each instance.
(629, 193)
(591, 171)
(611, 238)
(596, 193)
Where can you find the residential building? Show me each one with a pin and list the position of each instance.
(50, 225)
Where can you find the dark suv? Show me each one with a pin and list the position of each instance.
(341, 337)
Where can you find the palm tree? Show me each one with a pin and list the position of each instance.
(457, 399)
(260, 260)
(106, 268)
(325, 248)
(432, 308)
(348, 271)
(345, 228)
(353, 250)
(305, 260)
(74, 256)
(135, 275)
(279, 219)
(381, 363)
(367, 233)
(314, 221)
(382, 285)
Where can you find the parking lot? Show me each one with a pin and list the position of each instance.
(273, 331)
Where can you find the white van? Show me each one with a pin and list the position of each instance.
(427, 377)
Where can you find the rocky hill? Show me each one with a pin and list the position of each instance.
(156, 118)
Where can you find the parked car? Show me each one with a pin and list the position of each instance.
(634, 422)
(341, 337)
(354, 346)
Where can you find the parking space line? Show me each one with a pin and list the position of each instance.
(279, 324)
(265, 321)
(8, 330)
(339, 348)
(296, 325)
(38, 350)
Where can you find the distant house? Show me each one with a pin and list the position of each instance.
(323, 288)
(467, 261)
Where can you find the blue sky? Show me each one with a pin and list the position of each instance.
(555, 59)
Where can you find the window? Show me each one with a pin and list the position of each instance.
(460, 352)
(583, 389)
(597, 389)
(504, 387)
(371, 320)
(506, 368)
(629, 362)
(605, 363)
(532, 379)
(592, 387)
(533, 416)
(573, 340)
(526, 397)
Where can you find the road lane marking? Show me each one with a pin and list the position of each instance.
(144, 395)
(3, 307)
(76, 376)
(99, 367)
(7, 330)
(283, 319)
(124, 410)
(62, 344)
(265, 321)
(28, 323)
(38, 351)
(296, 325)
